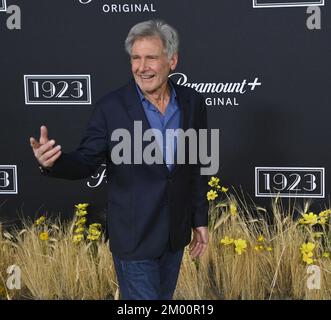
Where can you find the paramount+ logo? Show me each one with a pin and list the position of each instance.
(220, 94)
(120, 7)
(14, 20)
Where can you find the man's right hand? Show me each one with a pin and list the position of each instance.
(45, 151)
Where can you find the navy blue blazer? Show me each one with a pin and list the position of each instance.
(148, 205)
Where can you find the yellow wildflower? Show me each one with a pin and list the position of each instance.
(77, 238)
(310, 218)
(211, 195)
(81, 213)
(307, 252)
(40, 221)
(43, 236)
(322, 221)
(260, 248)
(325, 213)
(81, 206)
(308, 258)
(307, 247)
(260, 238)
(241, 246)
(224, 189)
(80, 221)
(226, 241)
(80, 230)
(92, 237)
(233, 209)
(214, 181)
(95, 226)
(94, 232)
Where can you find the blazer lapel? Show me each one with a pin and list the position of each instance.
(136, 112)
(183, 104)
(135, 108)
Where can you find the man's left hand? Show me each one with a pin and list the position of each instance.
(199, 242)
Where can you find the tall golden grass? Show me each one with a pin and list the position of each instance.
(271, 265)
(275, 272)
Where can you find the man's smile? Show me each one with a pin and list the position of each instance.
(146, 76)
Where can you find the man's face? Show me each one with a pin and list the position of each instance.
(150, 64)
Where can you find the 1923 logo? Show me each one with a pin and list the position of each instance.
(289, 182)
(57, 89)
(8, 179)
(3, 5)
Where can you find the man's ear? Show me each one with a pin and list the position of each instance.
(173, 61)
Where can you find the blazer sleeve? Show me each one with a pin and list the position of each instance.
(199, 183)
(90, 154)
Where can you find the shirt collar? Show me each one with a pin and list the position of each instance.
(173, 95)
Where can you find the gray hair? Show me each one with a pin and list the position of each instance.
(152, 28)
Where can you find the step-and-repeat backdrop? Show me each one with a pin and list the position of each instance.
(263, 67)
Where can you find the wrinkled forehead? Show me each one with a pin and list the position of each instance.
(153, 44)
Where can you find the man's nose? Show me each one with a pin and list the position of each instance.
(143, 65)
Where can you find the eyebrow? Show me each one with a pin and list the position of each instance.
(148, 56)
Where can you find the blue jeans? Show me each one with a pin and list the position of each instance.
(150, 279)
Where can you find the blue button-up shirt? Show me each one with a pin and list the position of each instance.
(169, 120)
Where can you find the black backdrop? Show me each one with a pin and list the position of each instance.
(283, 122)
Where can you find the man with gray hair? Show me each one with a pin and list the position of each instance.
(152, 208)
